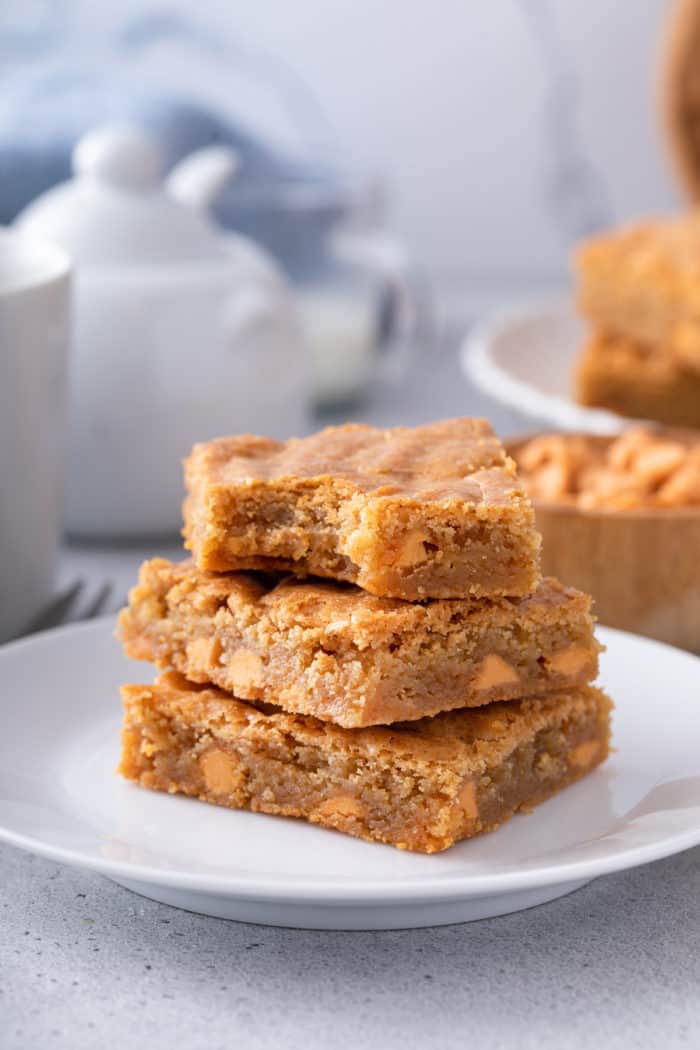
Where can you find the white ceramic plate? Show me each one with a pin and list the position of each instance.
(524, 359)
(59, 797)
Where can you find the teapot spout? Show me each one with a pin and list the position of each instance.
(197, 180)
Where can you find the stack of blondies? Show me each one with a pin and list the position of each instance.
(640, 288)
(362, 639)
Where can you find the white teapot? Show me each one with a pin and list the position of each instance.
(181, 333)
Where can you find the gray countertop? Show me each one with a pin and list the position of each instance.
(84, 963)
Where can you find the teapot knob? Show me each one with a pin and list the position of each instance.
(121, 156)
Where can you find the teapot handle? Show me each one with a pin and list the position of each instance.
(198, 179)
(246, 312)
(385, 255)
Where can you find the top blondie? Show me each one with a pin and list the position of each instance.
(431, 512)
(642, 282)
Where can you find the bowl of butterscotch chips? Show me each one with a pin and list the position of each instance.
(620, 518)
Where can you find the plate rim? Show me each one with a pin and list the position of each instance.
(423, 889)
(478, 365)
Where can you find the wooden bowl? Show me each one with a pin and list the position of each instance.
(680, 92)
(641, 566)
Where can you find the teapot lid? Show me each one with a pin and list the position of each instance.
(117, 210)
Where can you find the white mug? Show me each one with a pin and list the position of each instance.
(34, 337)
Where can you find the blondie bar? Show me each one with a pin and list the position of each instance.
(626, 378)
(421, 786)
(431, 512)
(643, 283)
(333, 651)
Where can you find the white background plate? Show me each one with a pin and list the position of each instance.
(59, 797)
(524, 358)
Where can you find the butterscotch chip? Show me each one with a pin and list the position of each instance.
(340, 807)
(335, 652)
(494, 671)
(421, 786)
(467, 800)
(657, 463)
(431, 512)
(220, 770)
(412, 549)
(583, 755)
(682, 489)
(245, 669)
(641, 468)
(570, 660)
(202, 653)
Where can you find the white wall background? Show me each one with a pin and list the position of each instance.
(450, 98)
(504, 128)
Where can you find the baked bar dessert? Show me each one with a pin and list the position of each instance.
(421, 786)
(431, 512)
(642, 282)
(626, 378)
(333, 651)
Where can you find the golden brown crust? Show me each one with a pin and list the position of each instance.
(436, 511)
(440, 461)
(420, 786)
(623, 377)
(335, 652)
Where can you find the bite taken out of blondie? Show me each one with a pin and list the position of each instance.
(431, 512)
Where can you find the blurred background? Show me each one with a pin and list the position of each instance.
(493, 135)
(282, 216)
